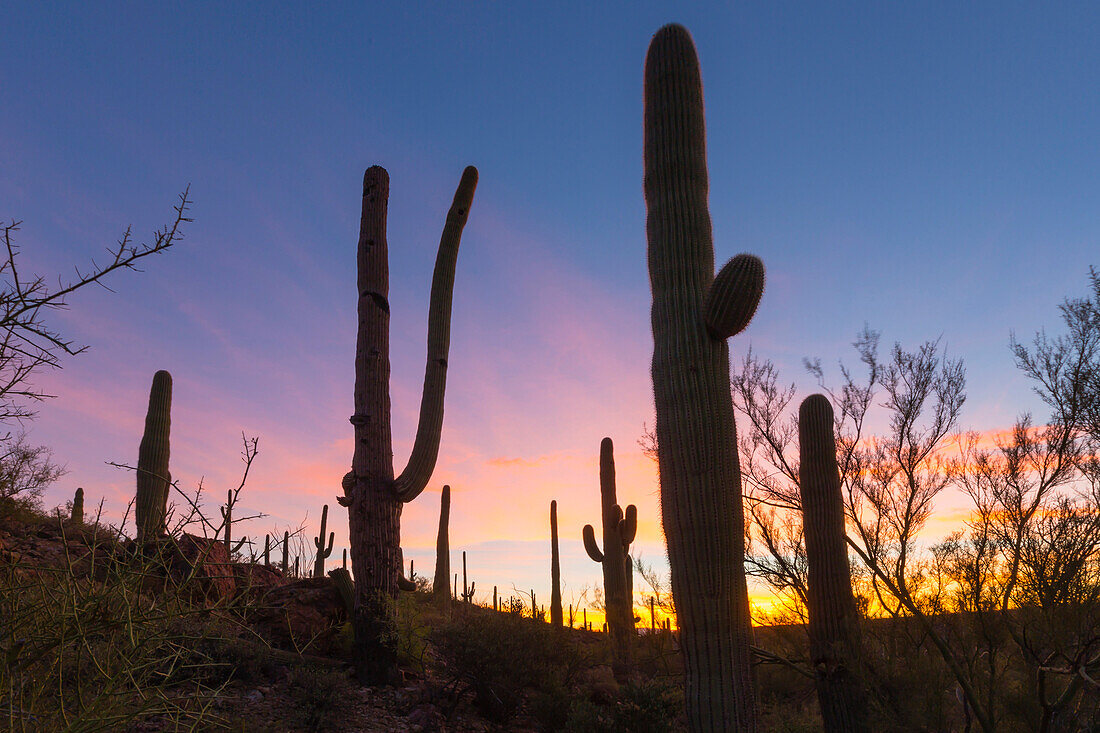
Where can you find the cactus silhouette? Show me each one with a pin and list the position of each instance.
(286, 550)
(833, 619)
(319, 543)
(619, 528)
(345, 586)
(227, 525)
(153, 478)
(372, 495)
(693, 313)
(467, 590)
(555, 569)
(77, 516)
(440, 590)
(267, 551)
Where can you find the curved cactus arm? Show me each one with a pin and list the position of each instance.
(732, 298)
(590, 543)
(405, 584)
(240, 544)
(414, 478)
(628, 525)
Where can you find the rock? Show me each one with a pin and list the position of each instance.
(304, 615)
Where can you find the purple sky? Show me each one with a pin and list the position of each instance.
(928, 170)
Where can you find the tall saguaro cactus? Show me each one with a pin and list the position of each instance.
(693, 314)
(371, 493)
(153, 479)
(619, 528)
(319, 543)
(441, 589)
(555, 569)
(227, 523)
(834, 620)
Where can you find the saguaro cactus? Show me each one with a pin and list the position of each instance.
(619, 529)
(153, 479)
(555, 569)
(286, 551)
(440, 590)
(467, 590)
(693, 314)
(834, 621)
(227, 525)
(77, 516)
(319, 543)
(371, 493)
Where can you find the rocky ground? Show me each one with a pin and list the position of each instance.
(288, 638)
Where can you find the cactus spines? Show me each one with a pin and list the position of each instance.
(77, 516)
(618, 532)
(153, 479)
(833, 618)
(555, 569)
(371, 493)
(700, 477)
(440, 591)
(319, 543)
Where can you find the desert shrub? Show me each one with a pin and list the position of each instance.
(647, 706)
(320, 698)
(93, 651)
(495, 657)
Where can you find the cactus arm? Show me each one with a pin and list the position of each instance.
(414, 478)
(331, 538)
(240, 544)
(590, 545)
(733, 297)
(628, 526)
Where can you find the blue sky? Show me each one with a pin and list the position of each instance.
(928, 169)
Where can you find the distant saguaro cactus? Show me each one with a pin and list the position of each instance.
(267, 551)
(467, 590)
(693, 314)
(77, 516)
(286, 553)
(833, 618)
(319, 543)
(371, 493)
(555, 569)
(153, 478)
(619, 528)
(440, 590)
(227, 525)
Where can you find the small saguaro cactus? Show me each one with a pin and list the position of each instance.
(286, 551)
(77, 516)
(619, 528)
(319, 543)
(692, 315)
(555, 569)
(345, 558)
(467, 590)
(372, 494)
(496, 607)
(345, 586)
(440, 592)
(227, 524)
(267, 551)
(153, 478)
(833, 618)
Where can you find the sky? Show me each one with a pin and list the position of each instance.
(927, 169)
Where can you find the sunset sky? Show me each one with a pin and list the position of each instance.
(928, 169)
